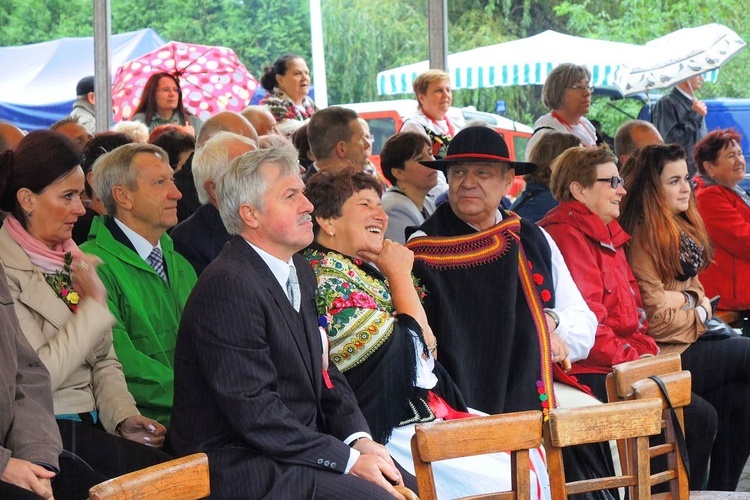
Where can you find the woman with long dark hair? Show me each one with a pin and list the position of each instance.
(161, 104)
(669, 248)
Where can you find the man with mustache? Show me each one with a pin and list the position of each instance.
(147, 282)
(253, 388)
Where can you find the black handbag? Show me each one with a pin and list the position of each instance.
(718, 329)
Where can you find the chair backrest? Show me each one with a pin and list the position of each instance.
(512, 432)
(184, 478)
(620, 387)
(624, 375)
(631, 420)
(678, 387)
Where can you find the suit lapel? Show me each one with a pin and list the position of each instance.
(292, 318)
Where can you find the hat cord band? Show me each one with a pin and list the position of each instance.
(476, 155)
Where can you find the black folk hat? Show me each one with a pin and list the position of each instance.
(479, 145)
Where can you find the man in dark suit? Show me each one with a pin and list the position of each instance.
(223, 121)
(200, 237)
(253, 388)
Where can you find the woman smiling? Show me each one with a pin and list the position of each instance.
(379, 337)
(725, 209)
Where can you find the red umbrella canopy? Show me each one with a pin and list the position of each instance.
(212, 79)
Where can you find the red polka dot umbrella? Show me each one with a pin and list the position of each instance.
(212, 79)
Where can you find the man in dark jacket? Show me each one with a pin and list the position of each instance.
(681, 118)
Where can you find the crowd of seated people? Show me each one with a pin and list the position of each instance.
(241, 290)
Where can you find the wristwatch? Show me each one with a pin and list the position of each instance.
(555, 318)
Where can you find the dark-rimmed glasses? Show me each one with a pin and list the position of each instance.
(614, 181)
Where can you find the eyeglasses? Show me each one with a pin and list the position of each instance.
(614, 181)
(580, 87)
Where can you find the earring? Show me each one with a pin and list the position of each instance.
(28, 214)
(330, 233)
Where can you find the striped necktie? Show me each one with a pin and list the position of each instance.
(156, 261)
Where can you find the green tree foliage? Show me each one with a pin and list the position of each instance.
(363, 37)
(258, 30)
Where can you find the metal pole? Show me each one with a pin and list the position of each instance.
(318, 55)
(437, 24)
(102, 71)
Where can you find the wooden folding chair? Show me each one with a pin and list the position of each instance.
(678, 387)
(631, 420)
(623, 383)
(512, 432)
(184, 478)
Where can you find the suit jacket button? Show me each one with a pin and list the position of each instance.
(320, 461)
(327, 463)
(333, 465)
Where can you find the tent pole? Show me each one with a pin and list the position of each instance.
(437, 15)
(318, 55)
(102, 64)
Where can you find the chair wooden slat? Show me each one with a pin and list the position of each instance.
(184, 478)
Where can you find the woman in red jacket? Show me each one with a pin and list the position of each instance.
(589, 188)
(584, 225)
(725, 209)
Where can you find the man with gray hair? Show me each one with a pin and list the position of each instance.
(147, 282)
(200, 237)
(254, 390)
(223, 121)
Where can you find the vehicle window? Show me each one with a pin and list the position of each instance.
(519, 147)
(381, 129)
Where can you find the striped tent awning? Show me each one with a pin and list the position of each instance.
(526, 61)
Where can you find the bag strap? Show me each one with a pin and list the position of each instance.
(679, 435)
(543, 127)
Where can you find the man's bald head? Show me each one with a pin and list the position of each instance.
(633, 135)
(225, 121)
(262, 119)
(10, 136)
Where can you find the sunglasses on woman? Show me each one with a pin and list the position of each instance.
(614, 181)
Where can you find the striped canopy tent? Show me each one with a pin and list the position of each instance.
(526, 61)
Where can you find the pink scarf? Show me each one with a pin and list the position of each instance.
(48, 261)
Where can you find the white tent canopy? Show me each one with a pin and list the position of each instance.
(39, 81)
(526, 61)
